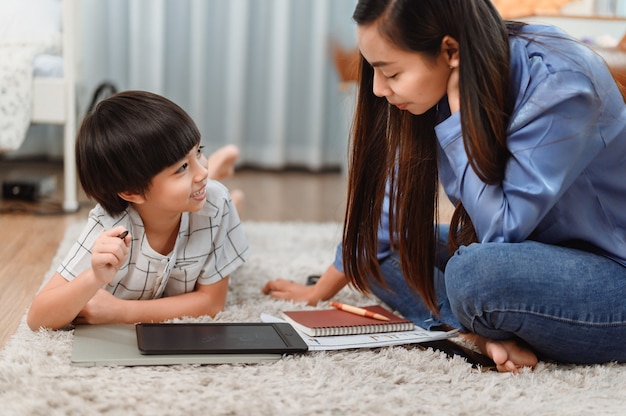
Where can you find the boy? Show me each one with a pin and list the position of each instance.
(163, 238)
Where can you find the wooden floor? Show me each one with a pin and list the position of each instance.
(32, 232)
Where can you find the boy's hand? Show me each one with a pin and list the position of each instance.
(101, 309)
(109, 253)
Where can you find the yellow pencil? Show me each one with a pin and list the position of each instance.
(358, 311)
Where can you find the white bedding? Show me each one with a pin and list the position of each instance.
(48, 66)
(30, 32)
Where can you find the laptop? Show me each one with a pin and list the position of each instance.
(116, 345)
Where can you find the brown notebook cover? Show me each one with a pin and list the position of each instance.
(328, 322)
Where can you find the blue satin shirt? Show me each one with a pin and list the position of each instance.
(565, 182)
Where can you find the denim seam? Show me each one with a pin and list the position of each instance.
(545, 316)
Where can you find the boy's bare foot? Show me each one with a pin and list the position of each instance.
(222, 162)
(508, 355)
(238, 198)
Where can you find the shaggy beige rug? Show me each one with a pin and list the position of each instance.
(36, 377)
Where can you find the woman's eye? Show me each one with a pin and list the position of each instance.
(200, 151)
(391, 76)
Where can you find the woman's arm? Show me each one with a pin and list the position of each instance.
(331, 282)
(552, 139)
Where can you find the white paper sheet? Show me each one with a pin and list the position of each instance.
(386, 339)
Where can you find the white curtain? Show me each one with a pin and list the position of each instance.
(256, 73)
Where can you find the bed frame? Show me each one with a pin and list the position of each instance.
(54, 102)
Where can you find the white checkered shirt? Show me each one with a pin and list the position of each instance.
(210, 245)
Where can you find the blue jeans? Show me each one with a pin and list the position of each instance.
(567, 305)
(403, 298)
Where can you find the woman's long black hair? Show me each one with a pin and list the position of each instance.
(390, 144)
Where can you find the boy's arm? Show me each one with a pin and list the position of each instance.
(106, 308)
(331, 282)
(60, 301)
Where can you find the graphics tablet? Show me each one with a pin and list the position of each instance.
(218, 338)
(116, 345)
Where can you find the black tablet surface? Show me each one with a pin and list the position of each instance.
(218, 338)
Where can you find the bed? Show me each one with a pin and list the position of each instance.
(38, 76)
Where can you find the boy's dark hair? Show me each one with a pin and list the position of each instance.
(127, 140)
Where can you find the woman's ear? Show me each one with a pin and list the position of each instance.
(450, 49)
(133, 197)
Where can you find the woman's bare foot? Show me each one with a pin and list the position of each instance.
(222, 162)
(509, 355)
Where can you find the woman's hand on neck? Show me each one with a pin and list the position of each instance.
(453, 90)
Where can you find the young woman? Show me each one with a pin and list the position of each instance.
(526, 130)
(163, 238)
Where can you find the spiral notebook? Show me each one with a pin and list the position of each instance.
(330, 322)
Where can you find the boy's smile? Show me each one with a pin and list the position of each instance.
(200, 195)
